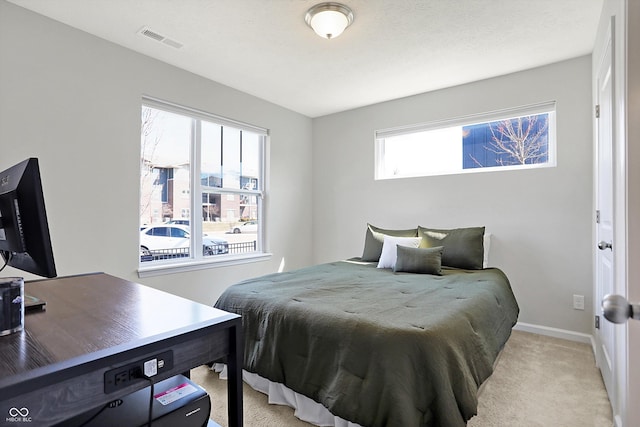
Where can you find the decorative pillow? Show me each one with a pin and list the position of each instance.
(374, 238)
(390, 252)
(463, 247)
(419, 260)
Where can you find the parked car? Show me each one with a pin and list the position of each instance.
(172, 240)
(178, 221)
(246, 227)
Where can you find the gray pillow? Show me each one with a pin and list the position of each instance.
(374, 239)
(419, 260)
(463, 247)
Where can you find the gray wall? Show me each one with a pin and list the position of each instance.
(73, 100)
(540, 219)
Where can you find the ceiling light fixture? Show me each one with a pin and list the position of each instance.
(329, 19)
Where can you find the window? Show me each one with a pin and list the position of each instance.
(505, 140)
(201, 181)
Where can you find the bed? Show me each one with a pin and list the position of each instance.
(379, 346)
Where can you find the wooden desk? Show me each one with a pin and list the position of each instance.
(92, 324)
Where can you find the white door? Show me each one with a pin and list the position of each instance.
(605, 267)
(625, 41)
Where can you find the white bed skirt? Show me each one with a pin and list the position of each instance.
(305, 409)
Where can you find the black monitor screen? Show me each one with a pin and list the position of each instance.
(24, 231)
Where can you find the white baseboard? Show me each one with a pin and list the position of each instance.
(556, 333)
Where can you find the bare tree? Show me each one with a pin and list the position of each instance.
(520, 139)
(150, 139)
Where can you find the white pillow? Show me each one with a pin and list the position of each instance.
(486, 242)
(390, 249)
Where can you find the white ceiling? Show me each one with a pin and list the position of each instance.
(394, 48)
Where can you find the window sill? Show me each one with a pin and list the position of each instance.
(192, 265)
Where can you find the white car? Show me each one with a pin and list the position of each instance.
(246, 227)
(172, 240)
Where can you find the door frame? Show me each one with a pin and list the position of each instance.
(632, 119)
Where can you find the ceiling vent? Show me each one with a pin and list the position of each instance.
(154, 35)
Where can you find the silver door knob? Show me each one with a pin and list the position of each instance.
(605, 245)
(616, 309)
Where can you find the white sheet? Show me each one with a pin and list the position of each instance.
(305, 409)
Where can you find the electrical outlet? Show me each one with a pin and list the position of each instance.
(121, 378)
(578, 302)
(125, 375)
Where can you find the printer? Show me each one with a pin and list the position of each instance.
(177, 401)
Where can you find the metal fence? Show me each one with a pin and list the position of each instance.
(242, 247)
(161, 254)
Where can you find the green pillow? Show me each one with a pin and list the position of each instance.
(375, 237)
(463, 247)
(419, 260)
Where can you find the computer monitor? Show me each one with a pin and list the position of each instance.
(25, 243)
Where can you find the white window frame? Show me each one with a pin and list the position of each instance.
(198, 262)
(534, 109)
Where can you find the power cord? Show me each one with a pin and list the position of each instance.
(150, 371)
(7, 255)
(151, 384)
(112, 404)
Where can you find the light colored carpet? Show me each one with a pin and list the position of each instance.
(538, 381)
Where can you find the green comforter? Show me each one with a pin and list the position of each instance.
(375, 347)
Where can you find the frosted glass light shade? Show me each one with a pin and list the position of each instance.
(329, 20)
